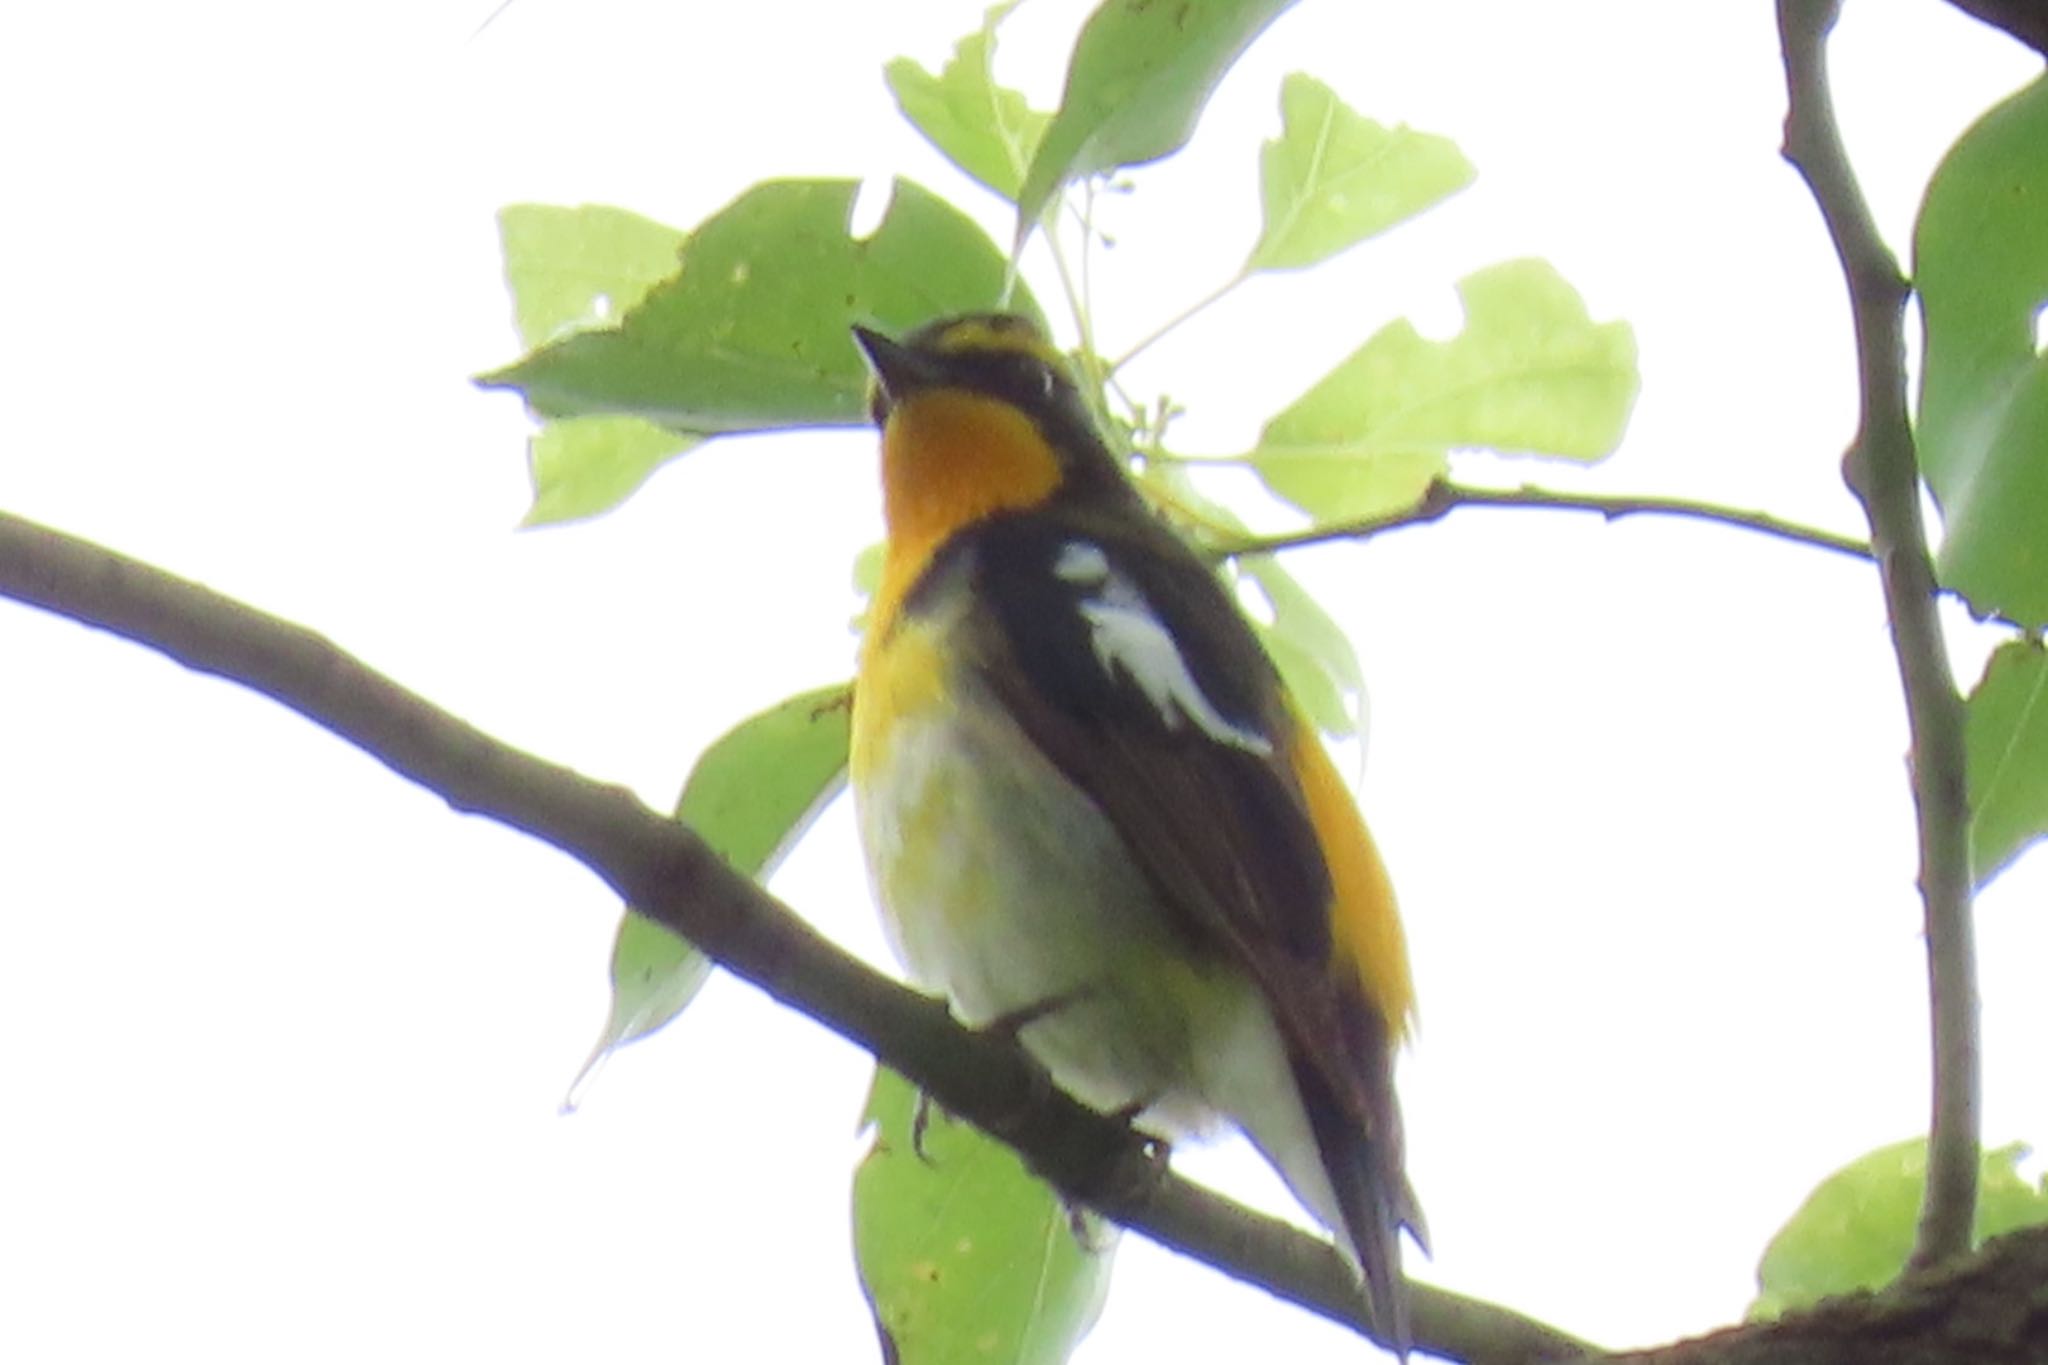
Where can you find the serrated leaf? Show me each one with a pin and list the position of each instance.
(1312, 651)
(753, 333)
(576, 268)
(964, 1254)
(1140, 75)
(1530, 374)
(1855, 1231)
(582, 466)
(751, 796)
(1333, 178)
(987, 130)
(1981, 268)
(2005, 742)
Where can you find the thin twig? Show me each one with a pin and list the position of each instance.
(1444, 498)
(1213, 296)
(1882, 470)
(663, 870)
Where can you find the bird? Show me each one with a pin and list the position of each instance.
(1090, 806)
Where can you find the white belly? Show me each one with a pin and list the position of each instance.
(1009, 893)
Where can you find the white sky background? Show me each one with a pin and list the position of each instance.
(282, 1040)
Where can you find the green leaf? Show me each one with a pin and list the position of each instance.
(576, 268)
(1530, 374)
(867, 580)
(1141, 72)
(983, 128)
(964, 1254)
(570, 270)
(753, 334)
(1333, 178)
(1312, 651)
(1855, 1230)
(582, 466)
(1981, 267)
(2005, 742)
(751, 797)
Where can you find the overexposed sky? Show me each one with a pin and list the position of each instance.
(282, 1040)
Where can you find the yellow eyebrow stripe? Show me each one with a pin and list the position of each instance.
(1003, 334)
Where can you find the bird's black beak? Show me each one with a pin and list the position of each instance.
(899, 370)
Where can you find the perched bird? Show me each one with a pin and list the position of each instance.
(1089, 803)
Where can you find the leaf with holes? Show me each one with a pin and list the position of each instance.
(1530, 374)
(753, 333)
(1980, 255)
(983, 128)
(1334, 178)
(571, 269)
(751, 796)
(1141, 72)
(964, 1254)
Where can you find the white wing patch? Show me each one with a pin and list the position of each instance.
(1128, 637)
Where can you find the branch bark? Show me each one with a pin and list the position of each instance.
(1444, 498)
(667, 873)
(1986, 1309)
(2026, 20)
(1882, 470)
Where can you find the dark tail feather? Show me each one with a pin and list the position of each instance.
(1374, 1201)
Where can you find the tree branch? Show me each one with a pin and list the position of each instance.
(667, 873)
(2026, 20)
(1984, 1309)
(1443, 498)
(1882, 469)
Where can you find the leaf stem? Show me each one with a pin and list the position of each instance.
(1443, 498)
(1213, 296)
(1076, 291)
(1881, 468)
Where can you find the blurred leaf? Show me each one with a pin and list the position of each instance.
(1981, 267)
(1312, 651)
(2006, 746)
(867, 579)
(1200, 519)
(576, 268)
(753, 333)
(1855, 1231)
(582, 466)
(1140, 75)
(751, 797)
(981, 127)
(964, 1254)
(1530, 373)
(1333, 178)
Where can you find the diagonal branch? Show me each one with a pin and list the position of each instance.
(2026, 20)
(1882, 469)
(666, 872)
(1443, 497)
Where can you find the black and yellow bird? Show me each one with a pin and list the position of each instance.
(1088, 800)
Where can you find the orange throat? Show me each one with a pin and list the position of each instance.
(951, 458)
